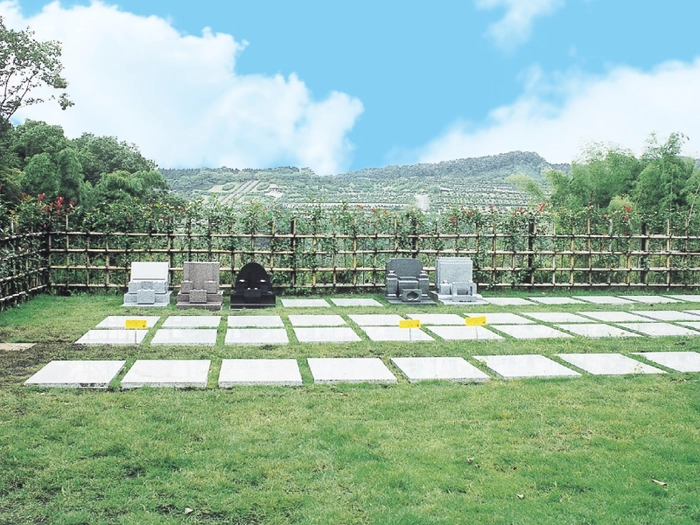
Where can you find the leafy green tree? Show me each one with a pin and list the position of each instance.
(102, 155)
(27, 64)
(41, 176)
(70, 175)
(10, 186)
(34, 137)
(528, 185)
(122, 186)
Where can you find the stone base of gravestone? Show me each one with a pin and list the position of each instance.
(200, 286)
(406, 282)
(453, 281)
(148, 286)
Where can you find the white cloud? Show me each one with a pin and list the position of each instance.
(558, 116)
(179, 98)
(516, 25)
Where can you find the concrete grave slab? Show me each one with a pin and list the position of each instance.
(167, 373)
(438, 319)
(15, 347)
(602, 299)
(112, 337)
(694, 312)
(446, 368)
(255, 321)
(596, 330)
(687, 298)
(317, 320)
(678, 361)
(695, 325)
(179, 336)
(555, 300)
(508, 301)
(394, 333)
(356, 302)
(608, 364)
(376, 319)
(305, 303)
(350, 370)
(536, 331)
(557, 317)
(326, 335)
(616, 317)
(525, 366)
(118, 322)
(279, 372)
(76, 374)
(659, 329)
(464, 333)
(649, 299)
(502, 318)
(256, 336)
(192, 321)
(668, 315)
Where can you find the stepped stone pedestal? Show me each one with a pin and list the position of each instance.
(453, 281)
(200, 286)
(406, 282)
(148, 286)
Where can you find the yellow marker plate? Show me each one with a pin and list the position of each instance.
(134, 324)
(409, 323)
(475, 321)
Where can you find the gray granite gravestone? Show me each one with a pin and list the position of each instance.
(200, 286)
(453, 281)
(148, 285)
(406, 282)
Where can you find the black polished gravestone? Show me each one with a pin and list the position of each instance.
(252, 288)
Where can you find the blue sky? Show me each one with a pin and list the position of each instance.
(338, 86)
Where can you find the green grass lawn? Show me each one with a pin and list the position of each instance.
(523, 452)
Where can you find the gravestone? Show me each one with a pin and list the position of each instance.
(453, 281)
(406, 282)
(148, 286)
(200, 286)
(252, 288)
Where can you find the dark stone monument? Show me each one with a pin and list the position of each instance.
(200, 286)
(252, 288)
(453, 281)
(148, 286)
(406, 282)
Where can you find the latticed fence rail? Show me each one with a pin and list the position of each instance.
(346, 249)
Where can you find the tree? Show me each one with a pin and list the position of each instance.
(102, 155)
(35, 137)
(41, 176)
(25, 65)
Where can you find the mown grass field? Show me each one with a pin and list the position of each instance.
(568, 451)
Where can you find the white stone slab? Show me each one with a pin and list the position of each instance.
(149, 271)
(668, 315)
(525, 366)
(658, 329)
(317, 320)
(507, 301)
(305, 303)
(447, 368)
(694, 312)
(688, 298)
(438, 319)
(557, 317)
(76, 374)
(376, 319)
(326, 335)
(649, 299)
(608, 364)
(532, 331)
(112, 337)
(255, 321)
(394, 333)
(602, 299)
(181, 336)
(679, 361)
(555, 300)
(118, 322)
(695, 325)
(356, 302)
(256, 336)
(192, 321)
(465, 333)
(280, 372)
(350, 370)
(596, 330)
(616, 317)
(167, 373)
(502, 318)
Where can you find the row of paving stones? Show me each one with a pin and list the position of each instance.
(285, 372)
(269, 329)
